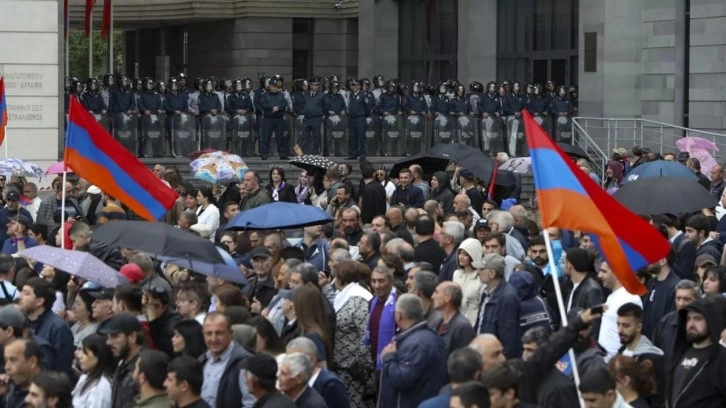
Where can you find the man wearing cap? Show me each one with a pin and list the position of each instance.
(260, 288)
(660, 299)
(358, 110)
(14, 325)
(500, 306)
(260, 376)
(125, 339)
(312, 118)
(102, 307)
(12, 211)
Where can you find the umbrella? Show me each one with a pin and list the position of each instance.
(158, 239)
(664, 195)
(313, 164)
(505, 178)
(573, 151)
(279, 215)
(467, 157)
(58, 168)
(195, 155)
(219, 167)
(77, 263)
(660, 168)
(18, 168)
(521, 165)
(700, 149)
(227, 270)
(429, 162)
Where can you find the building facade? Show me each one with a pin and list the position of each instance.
(657, 59)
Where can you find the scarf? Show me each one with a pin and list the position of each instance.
(276, 191)
(350, 291)
(302, 193)
(387, 327)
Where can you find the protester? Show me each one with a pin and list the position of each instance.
(94, 388)
(183, 383)
(50, 390)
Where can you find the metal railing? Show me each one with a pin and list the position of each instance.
(599, 136)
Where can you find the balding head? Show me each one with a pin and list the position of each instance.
(490, 349)
(461, 202)
(395, 215)
(519, 213)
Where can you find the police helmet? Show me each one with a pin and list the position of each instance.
(91, 84)
(208, 86)
(491, 87)
(108, 80)
(334, 87)
(76, 86)
(236, 86)
(172, 84)
(247, 84)
(561, 91)
(443, 88)
(348, 83)
(264, 81)
(551, 85)
(278, 80)
(123, 82)
(529, 88)
(148, 84)
(459, 90)
(226, 84)
(160, 87)
(537, 90)
(67, 83)
(379, 81)
(199, 84)
(365, 84)
(477, 86)
(416, 87)
(215, 82)
(391, 86)
(573, 91)
(516, 87)
(137, 84)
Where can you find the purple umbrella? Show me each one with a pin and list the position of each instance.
(77, 263)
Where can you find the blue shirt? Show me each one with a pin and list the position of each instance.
(11, 247)
(213, 370)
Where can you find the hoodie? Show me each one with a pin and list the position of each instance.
(645, 350)
(443, 194)
(702, 382)
(534, 311)
(471, 286)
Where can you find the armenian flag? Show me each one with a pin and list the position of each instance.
(569, 199)
(94, 155)
(3, 110)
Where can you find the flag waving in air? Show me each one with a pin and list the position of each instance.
(569, 199)
(3, 110)
(95, 156)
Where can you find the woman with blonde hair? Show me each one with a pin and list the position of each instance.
(469, 253)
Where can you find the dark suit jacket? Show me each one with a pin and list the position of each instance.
(310, 399)
(332, 389)
(589, 293)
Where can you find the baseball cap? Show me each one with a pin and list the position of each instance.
(23, 220)
(482, 223)
(262, 366)
(103, 294)
(132, 273)
(94, 190)
(705, 259)
(490, 261)
(467, 174)
(260, 252)
(683, 156)
(120, 323)
(13, 195)
(11, 316)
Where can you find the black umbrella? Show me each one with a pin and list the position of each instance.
(664, 195)
(429, 162)
(311, 163)
(505, 178)
(456, 151)
(573, 151)
(157, 238)
(468, 158)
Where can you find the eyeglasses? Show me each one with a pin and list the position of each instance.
(226, 242)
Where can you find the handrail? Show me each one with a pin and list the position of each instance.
(655, 122)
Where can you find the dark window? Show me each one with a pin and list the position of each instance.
(427, 40)
(302, 47)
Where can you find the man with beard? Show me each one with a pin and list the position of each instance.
(260, 288)
(125, 337)
(660, 299)
(149, 374)
(608, 336)
(694, 374)
(586, 292)
(589, 354)
(351, 227)
(22, 365)
(50, 390)
(369, 249)
(687, 291)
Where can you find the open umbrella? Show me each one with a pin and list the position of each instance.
(660, 168)
(573, 151)
(58, 168)
(219, 168)
(311, 163)
(664, 195)
(429, 162)
(226, 270)
(468, 158)
(279, 215)
(158, 239)
(77, 263)
(195, 155)
(19, 168)
(521, 165)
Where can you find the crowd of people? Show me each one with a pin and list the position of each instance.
(420, 293)
(315, 99)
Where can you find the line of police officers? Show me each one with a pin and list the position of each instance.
(316, 99)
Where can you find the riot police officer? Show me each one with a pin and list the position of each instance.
(537, 103)
(122, 97)
(458, 105)
(574, 100)
(313, 111)
(440, 103)
(257, 100)
(160, 87)
(238, 102)
(490, 103)
(358, 110)
(389, 103)
(92, 99)
(514, 102)
(75, 89)
(175, 102)
(476, 90)
(379, 84)
(414, 103)
(334, 102)
(107, 86)
(209, 102)
(182, 83)
(299, 88)
(365, 88)
(150, 100)
(193, 96)
(274, 106)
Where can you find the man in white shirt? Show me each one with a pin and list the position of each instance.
(609, 337)
(30, 191)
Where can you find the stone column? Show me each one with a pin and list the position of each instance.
(378, 38)
(477, 42)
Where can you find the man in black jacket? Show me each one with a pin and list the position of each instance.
(556, 390)
(664, 335)
(586, 291)
(260, 373)
(162, 318)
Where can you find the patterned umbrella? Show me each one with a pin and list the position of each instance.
(19, 168)
(521, 165)
(312, 163)
(219, 167)
(81, 264)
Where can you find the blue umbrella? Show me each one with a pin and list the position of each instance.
(660, 168)
(277, 216)
(77, 263)
(228, 270)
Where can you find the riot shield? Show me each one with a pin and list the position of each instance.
(515, 137)
(373, 140)
(443, 129)
(297, 126)
(466, 132)
(414, 134)
(473, 100)
(153, 135)
(563, 130)
(242, 140)
(392, 135)
(336, 133)
(126, 131)
(492, 139)
(183, 130)
(545, 122)
(214, 132)
(104, 120)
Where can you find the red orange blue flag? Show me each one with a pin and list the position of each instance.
(3, 110)
(569, 199)
(95, 156)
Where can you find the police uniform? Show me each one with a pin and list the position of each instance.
(312, 112)
(273, 122)
(358, 111)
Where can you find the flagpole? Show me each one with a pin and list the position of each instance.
(110, 38)
(63, 211)
(561, 306)
(67, 39)
(90, 46)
